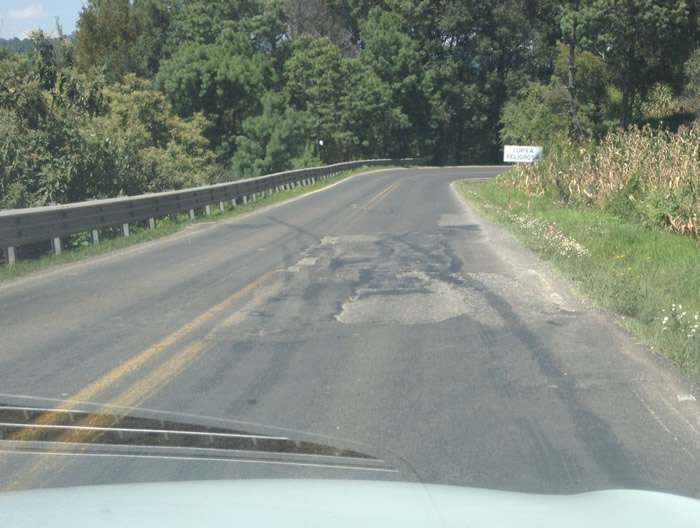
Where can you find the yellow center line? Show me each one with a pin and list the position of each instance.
(357, 212)
(241, 314)
(32, 475)
(137, 361)
(381, 195)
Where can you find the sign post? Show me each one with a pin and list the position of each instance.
(522, 154)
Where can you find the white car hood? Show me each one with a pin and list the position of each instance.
(306, 503)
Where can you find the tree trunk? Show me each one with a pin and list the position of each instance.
(626, 98)
(575, 131)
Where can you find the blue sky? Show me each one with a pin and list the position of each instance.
(17, 17)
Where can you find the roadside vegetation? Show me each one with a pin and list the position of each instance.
(644, 176)
(649, 277)
(614, 205)
(150, 95)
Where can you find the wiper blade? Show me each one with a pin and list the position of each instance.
(26, 429)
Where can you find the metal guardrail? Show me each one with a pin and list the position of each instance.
(50, 223)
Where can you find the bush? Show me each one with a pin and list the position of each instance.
(652, 176)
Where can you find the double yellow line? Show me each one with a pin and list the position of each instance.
(381, 195)
(139, 391)
(32, 474)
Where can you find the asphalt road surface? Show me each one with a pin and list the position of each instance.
(382, 311)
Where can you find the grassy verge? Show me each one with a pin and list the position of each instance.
(164, 227)
(649, 278)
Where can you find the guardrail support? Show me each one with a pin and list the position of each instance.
(56, 245)
(233, 203)
(245, 200)
(191, 213)
(94, 237)
(207, 210)
(221, 206)
(125, 230)
(10, 255)
(151, 223)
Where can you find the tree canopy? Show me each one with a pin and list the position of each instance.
(252, 86)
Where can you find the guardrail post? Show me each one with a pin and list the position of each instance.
(151, 223)
(221, 206)
(56, 245)
(94, 237)
(10, 255)
(173, 217)
(191, 213)
(125, 230)
(207, 210)
(233, 203)
(254, 196)
(245, 200)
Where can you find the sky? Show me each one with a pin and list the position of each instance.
(18, 17)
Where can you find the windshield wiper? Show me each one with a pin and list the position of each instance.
(75, 431)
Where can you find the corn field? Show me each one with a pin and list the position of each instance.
(653, 175)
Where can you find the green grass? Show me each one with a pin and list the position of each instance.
(109, 241)
(649, 278)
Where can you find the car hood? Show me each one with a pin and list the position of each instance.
(307, 503)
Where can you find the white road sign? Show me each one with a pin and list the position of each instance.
(522, 154)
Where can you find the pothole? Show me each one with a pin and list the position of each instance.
(429, 300)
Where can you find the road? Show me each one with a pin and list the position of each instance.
(381, 310)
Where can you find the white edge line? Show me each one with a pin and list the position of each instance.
(61, 268)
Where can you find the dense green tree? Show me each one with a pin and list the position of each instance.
(691, 91)
(313, 85)
(322, 19)
(642, 41)
(253, 85)
(153, 148)
(66, 137)
(203, 21)
(105, 36)
(273, 141)
(370, 124)
(395, 57)
(537, 116)
(596, 97)
(124, 36)
(14, 45)
(224, 80)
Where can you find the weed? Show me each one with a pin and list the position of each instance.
(646, 175)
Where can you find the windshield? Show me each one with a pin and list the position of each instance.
(390, 323)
